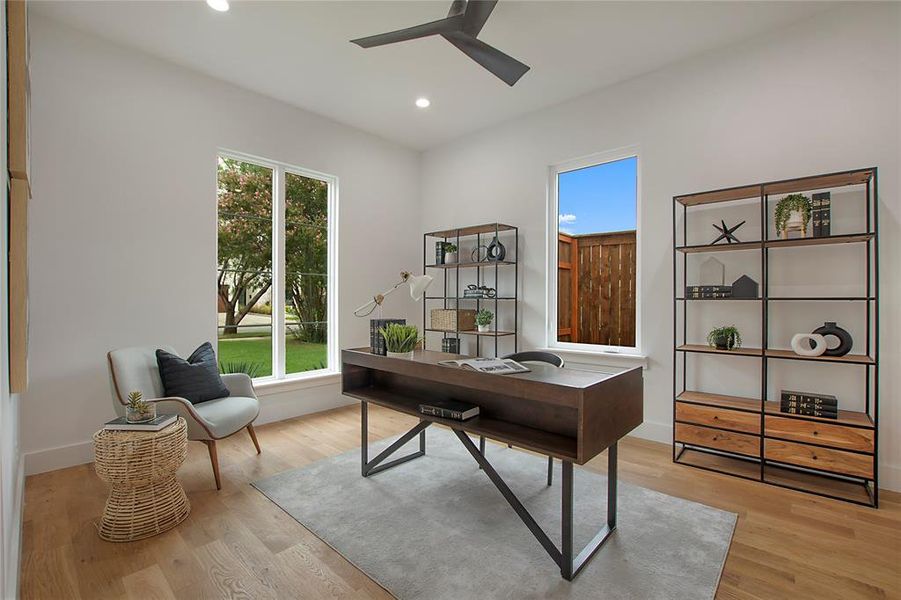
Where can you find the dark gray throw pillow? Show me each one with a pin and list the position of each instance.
(196, 379)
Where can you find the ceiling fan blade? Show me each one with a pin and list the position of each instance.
(477, 12)
(447, 25)
(505, 67)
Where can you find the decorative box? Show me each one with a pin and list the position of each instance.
(448, 319)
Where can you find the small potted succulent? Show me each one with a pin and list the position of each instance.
(139, 410)
(724, 338)
(792, 212)
(483, 319)
(400, 340)
(450, 253)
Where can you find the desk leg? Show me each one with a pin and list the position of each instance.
(481, 446)
(371, 467)
(569, 566)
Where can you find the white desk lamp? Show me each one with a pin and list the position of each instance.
(418, 285)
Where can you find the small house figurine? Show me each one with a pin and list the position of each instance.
(744, 287)
(713, 272)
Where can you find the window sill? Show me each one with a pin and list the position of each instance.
(601, 358)
(298, 382)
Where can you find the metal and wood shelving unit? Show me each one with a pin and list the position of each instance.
(482, 272)
(750, 437)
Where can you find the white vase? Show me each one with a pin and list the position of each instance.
(484, 328)
(801, 347)
(450, 258)
(795, 222)
(400, 354)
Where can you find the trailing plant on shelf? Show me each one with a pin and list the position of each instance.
(484, 318)
(139, 410)
(724, 338)
(793, 203)
(400, 340)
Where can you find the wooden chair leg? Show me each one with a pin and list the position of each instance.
(253, 436)
(214, 459)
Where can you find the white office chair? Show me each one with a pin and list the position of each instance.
(135, 369)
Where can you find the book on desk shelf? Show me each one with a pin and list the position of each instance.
(450, 409)
(496, 366)
(160, 422)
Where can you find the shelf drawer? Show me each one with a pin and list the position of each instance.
(714, 416)
(836, 461)
(816, 432)
(740, 443)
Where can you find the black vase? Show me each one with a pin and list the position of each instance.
(724, 342)
(844, 339)
(496, 251)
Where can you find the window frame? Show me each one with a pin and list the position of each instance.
(279, 330)
(553, 207)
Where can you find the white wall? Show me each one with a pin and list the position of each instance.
(11, 471)
(819, 96)
(123, 222)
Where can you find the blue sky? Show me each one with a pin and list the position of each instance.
(599, 199)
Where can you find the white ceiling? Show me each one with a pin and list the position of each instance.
(298, 52)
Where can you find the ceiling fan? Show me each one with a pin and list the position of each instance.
(461, 28)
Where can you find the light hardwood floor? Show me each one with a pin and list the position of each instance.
(237, 544)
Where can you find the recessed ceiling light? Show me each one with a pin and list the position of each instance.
(220, 5)
(423, 102)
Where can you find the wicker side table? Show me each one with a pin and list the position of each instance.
(139, 466)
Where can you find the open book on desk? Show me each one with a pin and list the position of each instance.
(497, 366)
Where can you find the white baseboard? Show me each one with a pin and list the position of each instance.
(14, 552)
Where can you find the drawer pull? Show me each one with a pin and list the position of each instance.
(815, 432)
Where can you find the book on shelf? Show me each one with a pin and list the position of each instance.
(708, 295)
(121, 424)
(450, 409)
(700, 289)
(791, 397)
(811, 412)
(821, 214)
(496, 366)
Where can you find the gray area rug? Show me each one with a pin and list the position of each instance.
(436, 527)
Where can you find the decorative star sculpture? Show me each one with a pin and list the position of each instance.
(726, 233)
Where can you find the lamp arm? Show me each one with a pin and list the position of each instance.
(378, 299)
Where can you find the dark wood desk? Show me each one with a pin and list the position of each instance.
(563, 413)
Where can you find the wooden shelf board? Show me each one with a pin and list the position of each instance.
(468, 332)
(472, 230)
(749, 469)
(710, 350)
(859, 359)
(847, 490)
(720, 247)
(470, 265)
(845, 417)
(720, 400)
(818, 182)
(820, 241)
(727, 195)
(545, 442)
(718, 299)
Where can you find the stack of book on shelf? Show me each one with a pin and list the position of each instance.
(450, 409)
(122, 424)
(809, 404)
(708, 291)
(821, 216)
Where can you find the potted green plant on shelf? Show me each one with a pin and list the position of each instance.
(400, 340)
(724, 338)
(792, 213)
(450, 253)
(483, 319)
(139, 410)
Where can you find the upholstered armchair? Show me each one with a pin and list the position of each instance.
(135, 369)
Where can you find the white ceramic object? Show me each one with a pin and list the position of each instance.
(450, 258)
(484, 328)
(403, 354)
(801, 347)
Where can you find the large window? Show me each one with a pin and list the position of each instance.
(594, 296)
(275, 257)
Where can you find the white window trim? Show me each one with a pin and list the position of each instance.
(278, 269)
(552, 244)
